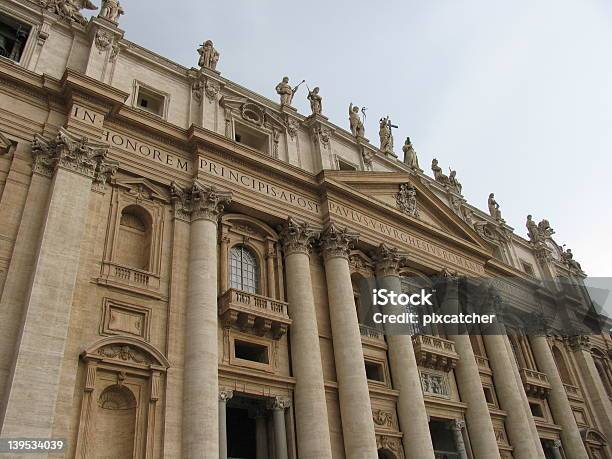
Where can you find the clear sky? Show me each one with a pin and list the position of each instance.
(516, 96)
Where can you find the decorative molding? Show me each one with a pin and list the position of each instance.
(102, 40)
(579, 343)
(337, 242)
(435, 384)
(406, 200)
(279, 403)
(198, 201)
(297, 237)
(382, 418)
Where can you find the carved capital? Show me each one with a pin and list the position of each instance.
(456, 424)
(105, 170)
(279, 403)
(556, 444)
(297, 237)
(337, 242)
(225, 395)
(70, 152)
(579, 343)
(198, 202)
(388, 260)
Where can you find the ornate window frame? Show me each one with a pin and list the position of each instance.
(133, 363)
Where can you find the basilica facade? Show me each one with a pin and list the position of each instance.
(185, 267)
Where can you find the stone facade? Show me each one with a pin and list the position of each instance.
(181, 263)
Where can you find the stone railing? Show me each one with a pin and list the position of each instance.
(434, 352)
(370, 332)
(573, 392)
(536, 383)
(254, 313)
(482, 362)
(125, 276)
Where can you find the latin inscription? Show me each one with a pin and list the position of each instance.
(146, 150)
(86, 116)
(402, 236)
(253, 183)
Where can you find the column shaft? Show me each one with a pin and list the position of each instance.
(201, 386)
(309, 393)
(479, 425)
(559, 403)
(222, 428)
(411, 411)
(517, 423)
(355, 407)
(261, 437)
(280, 433)
(36, 374)
(458, 437)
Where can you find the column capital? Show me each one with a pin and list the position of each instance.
(198, 201)
(456, 424)
(388, 260)
(556, 443)
(225, 395)
(74, 153)
(297, 237)
(579, 343)
(337, 242)
(279, 403)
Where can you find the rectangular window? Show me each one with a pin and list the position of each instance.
(536, 410)
(251, 137)
(345, 166)
(251, 351)
(375, 371)
(150, 101)
(488, 395)
(13, 37)
(528, 268)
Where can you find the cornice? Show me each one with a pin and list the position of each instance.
(74, 82)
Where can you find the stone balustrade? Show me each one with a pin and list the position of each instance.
(573, 392)
(536, 384)
(125, 276)
(370, 333)
(434, 352)
(254, 313)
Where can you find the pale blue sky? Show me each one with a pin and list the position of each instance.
(516, 96)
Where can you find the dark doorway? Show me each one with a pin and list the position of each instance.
(442, 439)
(240, 434)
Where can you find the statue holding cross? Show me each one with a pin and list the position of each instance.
(386, 135)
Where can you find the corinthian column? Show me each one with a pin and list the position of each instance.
(74, 164)
(309, 394)
(411, 410)
(509, 392)
(478, 417)
(355, 407)
(201, 205)
(559, 403)
(597, 395)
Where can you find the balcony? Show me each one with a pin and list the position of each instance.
(536, 384)
(433, 352)
(573, 392)
(128, 278)
(370, 333)
(254, 313)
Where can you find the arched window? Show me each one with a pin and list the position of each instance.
(244, 270)
(134, 248)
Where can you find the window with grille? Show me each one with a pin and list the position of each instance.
(244, 272)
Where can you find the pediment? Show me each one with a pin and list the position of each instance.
(252, 112)
(383, 187)
(141, 188)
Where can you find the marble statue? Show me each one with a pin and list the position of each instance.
(356, 124)
(286, 93)
(453, 182)
(69, 9)
(532, 229)
(111, 10)
(568, 258)
(438, 174)
(385, 135)
(410, 157)
(315, 99)
(544, 229)
(209, 56)
(494, 208)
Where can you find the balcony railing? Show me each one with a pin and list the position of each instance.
(434, 352)
(370, 332)
(254, 313)
(125, 276)
(573, 392)
(482, 362)
(536, 383)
